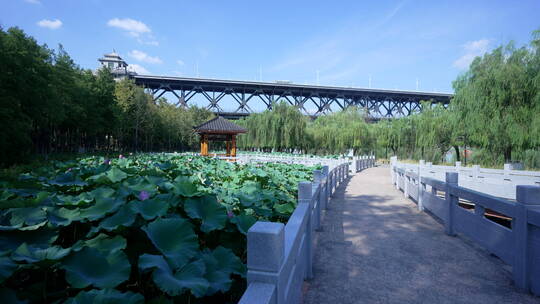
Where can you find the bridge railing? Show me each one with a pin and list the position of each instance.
(357, 163)
(497, 182)
(280, 257)
(515, 239)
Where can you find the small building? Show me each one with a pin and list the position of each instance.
(219, 129)
(115, 63)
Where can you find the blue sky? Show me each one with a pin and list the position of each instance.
(348, 42)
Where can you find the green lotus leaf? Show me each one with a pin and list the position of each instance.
(106, 296)
(100, 209)
(150, 209)
(207, 209)
(138, 184)
(42, 238)
(185, 187)
(30, 254)
(63, 216)
(102, 242)
(286, 208)
(123, 217)
(244, 222)
(67, 179)
(27, 216)
(116, 175)
(220, 264)
(91, 266)
(113, 175)
(190, 276)
(174, 238)
(7, 268)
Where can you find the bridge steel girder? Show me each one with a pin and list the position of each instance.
(377, 103)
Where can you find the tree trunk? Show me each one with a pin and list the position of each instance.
(508, 155)
(458, 158)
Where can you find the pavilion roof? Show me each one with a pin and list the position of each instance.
(219, 125)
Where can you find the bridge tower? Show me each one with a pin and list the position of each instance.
(117, 65)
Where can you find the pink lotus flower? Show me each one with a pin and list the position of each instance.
(230, 214)
(120, 156)
(144, 195)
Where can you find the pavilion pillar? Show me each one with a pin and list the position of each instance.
(204, 145)
(233, 142)
(228, 144)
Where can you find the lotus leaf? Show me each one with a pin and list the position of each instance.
(190, 276)
(207, 209)
(174, 238)
(91, 266)
(106, 296)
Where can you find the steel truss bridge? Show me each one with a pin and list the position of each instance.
(312, 100)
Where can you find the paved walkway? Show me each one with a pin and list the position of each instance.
(375, 247)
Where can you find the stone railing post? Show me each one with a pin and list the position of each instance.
(265, 255)
(451, 202)
(305, 195)
(421, 187)
(325, 171)
(475, 172)
(526, 267)
(507, 169)
(406, 180)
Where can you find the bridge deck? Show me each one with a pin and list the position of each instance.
(375, 247)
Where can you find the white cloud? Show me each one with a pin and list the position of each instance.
(33, 1)
(137, 69)
(472, 50)
(133, 27)
(50, 24)
(180, 62)
(143, 57)
(177, 73)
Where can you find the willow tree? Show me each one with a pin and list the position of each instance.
(498, 99)
(282, 127)
(338, 132)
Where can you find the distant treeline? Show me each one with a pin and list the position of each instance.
(495, 112)
(48, 104)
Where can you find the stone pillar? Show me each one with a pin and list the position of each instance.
(526, 267)
(265, 255)
(451, 202)
(305, 195)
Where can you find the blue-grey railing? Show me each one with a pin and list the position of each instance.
(280, 257)
(518, 245)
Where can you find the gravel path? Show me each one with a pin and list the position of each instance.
(375, 247)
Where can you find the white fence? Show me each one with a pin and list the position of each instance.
(357, 163)
(280, 257)
(507, 229)
(500, 183)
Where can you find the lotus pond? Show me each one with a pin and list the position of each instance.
(161, 228)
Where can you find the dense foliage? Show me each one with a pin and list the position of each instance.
(50, 105)
(152, 227)
(284, 128)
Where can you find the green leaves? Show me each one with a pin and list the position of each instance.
(174, 238)
(190, 276)
(243, 222)
(106, 296)
(169, 221)
(220, 264)
(30, 254)
(207, 209)
(91, 266)
(185, 187)
(150, 209)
